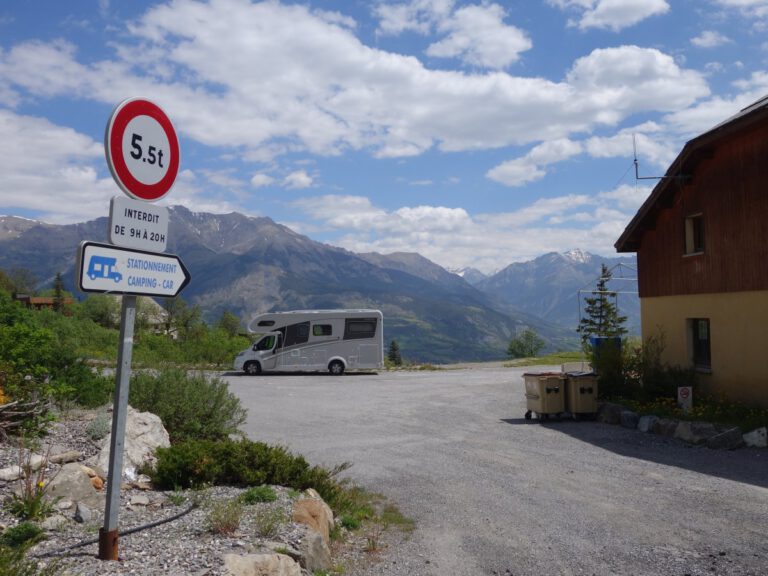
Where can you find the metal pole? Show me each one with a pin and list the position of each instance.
(108, 533)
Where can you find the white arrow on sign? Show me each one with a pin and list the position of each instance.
(108, 268)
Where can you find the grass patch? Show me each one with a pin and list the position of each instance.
(554, 358)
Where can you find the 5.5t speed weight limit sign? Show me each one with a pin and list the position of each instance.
(142, 149)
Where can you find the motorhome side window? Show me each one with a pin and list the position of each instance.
(355, 328)
(266, 323)
(322, 330)
(265, 343)
(297, 334)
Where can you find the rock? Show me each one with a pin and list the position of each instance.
(728, 440)
(316, 514)
(664, 427)
(260, 565)
(66, 457)
(315, 554)
(144, 433)
(15, 472)
(645, 424)
(757, 438)
(55, 522)
(629, 419)
(83, 514)
(65, 504)
(695, 432)
(71, 483)
(97, 483)
(140, 500)
(609, 413)
(283, 548)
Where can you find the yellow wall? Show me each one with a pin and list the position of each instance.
(738, 323)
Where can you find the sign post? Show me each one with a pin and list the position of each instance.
(142, 153)
(108, 533)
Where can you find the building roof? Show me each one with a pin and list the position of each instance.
(683, 167)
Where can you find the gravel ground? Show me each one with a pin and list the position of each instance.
(182, 547)
(493, 494)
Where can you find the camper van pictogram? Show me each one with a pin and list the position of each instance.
(103, 267)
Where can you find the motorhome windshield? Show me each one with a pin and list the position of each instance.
(266, 343)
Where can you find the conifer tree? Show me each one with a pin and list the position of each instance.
(394, 354)
(58, 293)
(601, 316)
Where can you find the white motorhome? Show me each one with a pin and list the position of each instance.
(314, 340)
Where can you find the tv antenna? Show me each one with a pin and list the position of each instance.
(637, 165)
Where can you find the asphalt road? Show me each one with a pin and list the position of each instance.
(494, 494)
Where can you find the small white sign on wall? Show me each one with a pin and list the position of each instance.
(685, 397)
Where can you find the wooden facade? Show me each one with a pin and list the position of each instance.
(730, 193)
(723, 177)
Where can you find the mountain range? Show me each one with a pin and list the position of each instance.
(247, 265)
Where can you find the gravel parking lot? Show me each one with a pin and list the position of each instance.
(494, 494)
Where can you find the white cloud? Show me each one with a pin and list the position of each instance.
(260, 180)
(265, 79)
(51, 170)
(751, 8)
(530, 167)
(414, 16)
(454, 239)
(612, 14)
(478, 36)
(298, 179)
(710, 39)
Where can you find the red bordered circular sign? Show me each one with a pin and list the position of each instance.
(142, 149)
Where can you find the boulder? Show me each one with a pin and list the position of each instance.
(83, 514)
(54, 523)
(71, 483)
(315, 553)
(695, 432)
(758, 438)
(15, 472)
(144, 433)
(609, 413)
(260, 565)
(727, 440)
(316, 514)
(664, 427)
(629, 419)
(645, 424)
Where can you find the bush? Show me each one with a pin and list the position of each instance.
(224, 517)
(258, 494)
(190, 406)
(240, 463)
(14, 563)
(22, 535)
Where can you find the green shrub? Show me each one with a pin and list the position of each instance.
(14, 563)
(267, 521)
(99, 427)
(190, 406)
(22, 535)
(258, 494)
(240, 463)
(224, 517)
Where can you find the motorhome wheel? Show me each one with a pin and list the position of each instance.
(252, 368)
(336, 367)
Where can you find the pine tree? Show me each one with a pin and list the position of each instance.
(58, 293)
(601, 316)
(394, 354)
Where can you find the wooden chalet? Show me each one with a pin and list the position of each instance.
(702, 257)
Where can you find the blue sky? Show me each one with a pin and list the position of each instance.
(476, 133)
